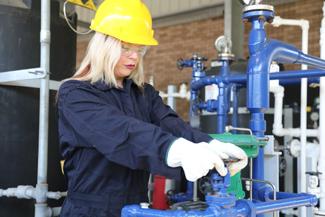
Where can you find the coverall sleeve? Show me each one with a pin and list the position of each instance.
(121, 139)
(163, 116)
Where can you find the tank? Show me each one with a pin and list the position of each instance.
(19, 106)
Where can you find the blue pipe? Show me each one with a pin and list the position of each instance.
(208, 80)
(286, 201)
(258, 87)
(312, 73)
(285, 76)
(234, 121)
(240, 209)
(210, 105)
(311, 61)
(223, 98)
(294, 81)
(221, 118)
(286, 195)
(136, 211)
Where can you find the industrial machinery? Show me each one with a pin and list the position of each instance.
(220, 199)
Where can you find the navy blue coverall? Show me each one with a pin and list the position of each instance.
(111, 139)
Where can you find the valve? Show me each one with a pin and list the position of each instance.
(196, 62)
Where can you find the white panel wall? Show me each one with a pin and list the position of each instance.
(161, 8)
(84, 15)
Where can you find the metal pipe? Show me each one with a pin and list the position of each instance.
(55, 211)
(208, 80)
(297, 74)
(171, 89)
(241, 209)
(303, 113)
(44, 92)
(311, 61)
(290, 202)
(293, 81)
(234, 121)
(321, 162)
(45, 38)
(222, 110)
(303, 140)
(285, 76)
(251, 177)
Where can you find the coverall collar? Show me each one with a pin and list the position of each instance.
(103, 86)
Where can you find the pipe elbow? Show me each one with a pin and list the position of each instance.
(304, 24)
(278, 130)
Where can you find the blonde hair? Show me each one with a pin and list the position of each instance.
(99, 63)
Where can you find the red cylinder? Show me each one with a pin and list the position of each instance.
(159, 198)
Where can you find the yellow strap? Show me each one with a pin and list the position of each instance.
(84, 3)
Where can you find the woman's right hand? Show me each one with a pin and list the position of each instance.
(196, 159)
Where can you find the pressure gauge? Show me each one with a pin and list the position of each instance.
(223, 44)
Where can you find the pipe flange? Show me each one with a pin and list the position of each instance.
(260, 12)
(226, 56)
(258, 8)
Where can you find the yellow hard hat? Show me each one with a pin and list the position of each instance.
(128, 20)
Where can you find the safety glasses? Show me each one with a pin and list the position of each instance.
(128, 50)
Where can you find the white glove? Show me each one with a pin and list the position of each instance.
(232, 151)
(195, 159)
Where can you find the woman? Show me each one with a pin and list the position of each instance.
(115, 129)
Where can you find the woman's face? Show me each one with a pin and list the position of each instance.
(129, 60)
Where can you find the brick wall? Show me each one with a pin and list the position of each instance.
(181, 41)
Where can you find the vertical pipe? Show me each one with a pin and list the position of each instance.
(234, 122)
(44, 92)
(171, 101)
(222, 99)
(227, 18)
(321, 162)
(45, 38)
(303, 120)
(258, 126)
(221, 119)
(257, 82)
(171, 89)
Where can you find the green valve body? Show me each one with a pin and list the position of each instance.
(250, 144)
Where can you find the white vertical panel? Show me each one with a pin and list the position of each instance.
(84, 14)
(165, 7)
(195, 4)
(187, 5)
(160, 8)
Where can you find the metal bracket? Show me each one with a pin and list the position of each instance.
(33, 83)
(24, 74)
